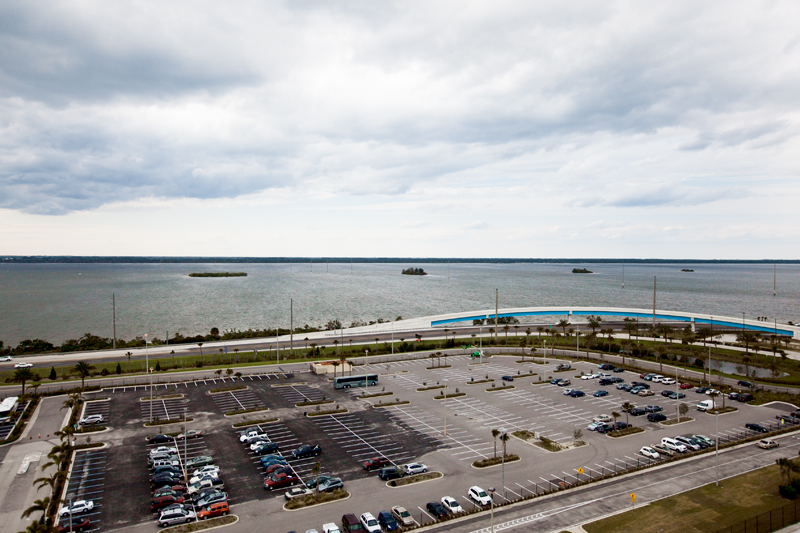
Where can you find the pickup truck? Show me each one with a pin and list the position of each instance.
(205, 484)
(280, 481)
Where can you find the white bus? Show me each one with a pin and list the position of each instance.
(355, 381)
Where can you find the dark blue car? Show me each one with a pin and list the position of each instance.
(387, 521)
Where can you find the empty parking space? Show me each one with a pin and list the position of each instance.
(97, 407)
(237, 400)
(167, 409)
(362, 440)
(86, 482)
(294, 394)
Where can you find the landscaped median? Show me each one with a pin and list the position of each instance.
(630, 430)
(247, 423)
(675, 421)
(433, 387)
(721, 410)
(329, 412)
(390, 404)
(504, 387)
(496, 461)
(451, 395)
(203, 524)
(220, 390)
(313, 402)
(167, 422)
(374, 395)
(245, 411)
(155, 398)
(316, 499)
(416, 478)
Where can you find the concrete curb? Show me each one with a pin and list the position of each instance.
(316, 504)
(416, 482)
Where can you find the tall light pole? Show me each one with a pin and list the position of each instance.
(445, 409)
(149, 371)
(491, 502)
(716, 443)
(366, 369)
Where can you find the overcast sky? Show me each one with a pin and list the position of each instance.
(477, 129)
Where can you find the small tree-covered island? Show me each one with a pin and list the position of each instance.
(581, 271)
(414, 272)
(217, 274)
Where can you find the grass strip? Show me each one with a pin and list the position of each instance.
(673, 421)
(630, 430)
(453, 395)
(227, 389)
(374, 395)
(313, 402)
(493, 461)
(479, 381)
(91, 429)
(390, 404)
(245, 411)
(247, 423)
(316, 499)
(705, 509)
(506, 387)
(438, 366)
(331, 412)
(415, 479)
(434, 387)
(721, 410)
(167, 421)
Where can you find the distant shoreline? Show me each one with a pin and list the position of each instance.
(10, 259)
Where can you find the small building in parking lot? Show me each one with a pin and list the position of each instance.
(328, 367)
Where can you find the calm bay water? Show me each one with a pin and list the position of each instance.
(61, 301)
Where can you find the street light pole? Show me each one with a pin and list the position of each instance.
(716, 444)
(445, 410)
(491, 500)
(366, 369)
(147, 365)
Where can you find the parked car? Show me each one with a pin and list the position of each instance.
(668, 381)
(666, 393)
(386, 520)
(588, 376)
(709, 442)
(636, 390)
(686, 386)
(603, 418)
(733, 396)
(647, 451)
(689, 443)
(212, 498)
(478, 495)
(277, 469)
(205, 470)
(567, 392)
(415, 468)
(307, 450)
(265, 447)
(177, 490)
(745, 397)
(653, 408)
(563, 382)
(563, 366)
(436, 509)
(619, 369)
(77, 507)
(401, 515)
(163, 449)
(375, 463)
(600, 393)
(745, 384)
(676, 396)
(507, 378)
(280, 481)
(91, 420)
(577, 393)
(452, 505)
(202, 484)
(391, 472)
(674, 445)
(621, 386)
(657, 378)
(605, 382)
(656, 417)
(663, 450)
(713, 391)
(767, 444)
(213, 510)
(370, 523)
(330, 527)
(163, 501)
(297, 492)
(701, 390)
(159, 439)
(786, 419)
(312, 481)
(620, 425)
(605, 366)
(331, 484)
(176, 516)
(198, 462)
(637, 411)
(605, 428)
(251, 433)
(646, 392)
(594, 425)
(350, 523)
(555, 381)
(758, 428)
(78, 524)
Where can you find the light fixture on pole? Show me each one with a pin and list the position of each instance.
(491, 500)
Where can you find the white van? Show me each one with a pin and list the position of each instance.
(673, 445)
(705, 405)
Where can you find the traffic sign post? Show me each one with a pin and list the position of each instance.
(580, 471)
(633, 500)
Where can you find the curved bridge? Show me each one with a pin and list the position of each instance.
(644, 316)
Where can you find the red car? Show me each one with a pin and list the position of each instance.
(280, 481)
(686, 386)
(376, 463)
(278, 469)
(78, 524)
(163, 501)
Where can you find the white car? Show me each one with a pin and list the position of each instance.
(414, 468)
(211, 476)
(91, 419)
(674, 445)
(713, 391)
(174, 516)
(78, 507)
(668, 381)
(370, 524)
(256, 444)
(568, 391)
(23, 365)
(451, 505)
(478, 495)
(209, 469)
(657, 378)
(330, 528)
(163, 449)
(647, 451)
(587, 376)
(5, 359)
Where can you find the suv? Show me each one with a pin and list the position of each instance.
(436, 509)
(746, 384)
(91, 419)
(215, 509)
(479, 496)
(563, 366)
(401, 515)
(656, 417)
(391, 472)
(176, 516)
(387, 521)
(350, 523)
(415, 468)
(330, 484)
(306, 450)
(370, 523)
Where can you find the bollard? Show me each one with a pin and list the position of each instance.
(40, 436)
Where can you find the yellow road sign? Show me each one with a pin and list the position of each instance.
(633, 497)
(580, 470)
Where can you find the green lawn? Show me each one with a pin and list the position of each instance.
(703, 510)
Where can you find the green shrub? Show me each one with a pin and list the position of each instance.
(788, 492)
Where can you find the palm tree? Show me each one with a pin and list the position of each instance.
(505, 328)
(229, 372)
(504, 438)
(495, 434)
(615, 415)
(218, 372)
(563, 324)
(540, 329)
(626, 344)
(21, 375)
(594, 322)
(84, 370)
(200, 345)
(129, 354)
(627, 406)
(39, 505)
(783, 463)
(334, 364)
(630, 325)
(665, 330)
(662, 351)
(343, 361)
(315, 471)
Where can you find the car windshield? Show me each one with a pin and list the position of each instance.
(404, 513)
(372, 522)
(482, 494)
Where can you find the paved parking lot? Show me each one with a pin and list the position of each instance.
(404, 433)
(6, 428)
(87, 482)
(236, 400)
(97, 407)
